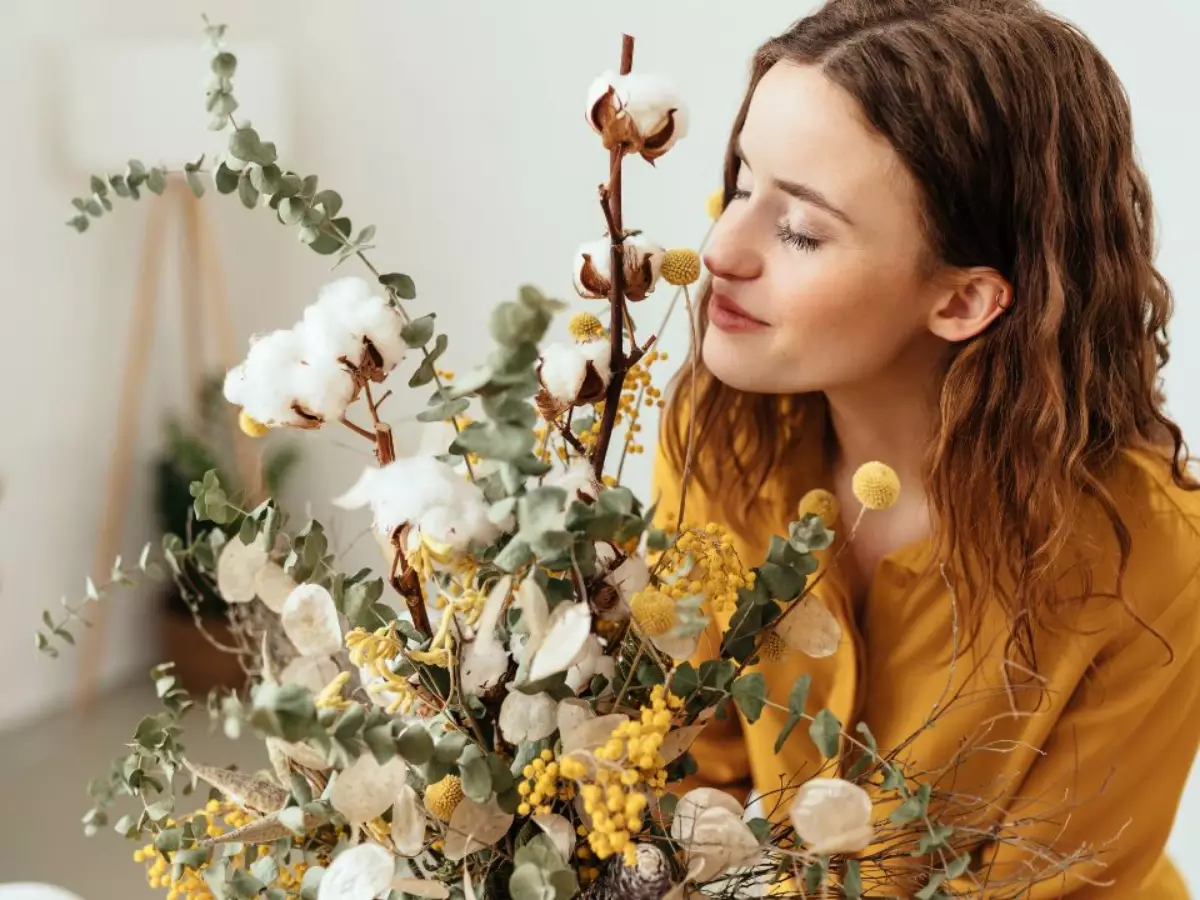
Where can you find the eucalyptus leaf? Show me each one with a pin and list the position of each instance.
(685, 681)
(852, 881)
(265, 178)
(826, 732)
(156, 181)
(330, 200)
(796, 700)
(194, 184)
(444, 412)
(476, 779)
(958, 866)
(226, 179)
(814, 875)
(415, 745)
(325, 244)
(401, 284)
(247, 192)
(750, 694)
(929, 892)
(245, 144)
(224, 64)
(450, 747)
(418, 332)
(914, 808)
(936, 838)
(291, 210)
(427, 370)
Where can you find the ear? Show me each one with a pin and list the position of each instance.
(972, 300)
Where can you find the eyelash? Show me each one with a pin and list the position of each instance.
(796, 239)
(784, 231)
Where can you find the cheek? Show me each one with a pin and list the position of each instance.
(834, 321)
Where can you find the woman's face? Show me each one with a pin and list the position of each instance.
(819, 263)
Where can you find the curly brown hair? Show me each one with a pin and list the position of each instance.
(1019, 135)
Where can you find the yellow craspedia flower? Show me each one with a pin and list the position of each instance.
(442, 797)
(585, 326)
(773, 647)
(681, 266)
(876, 485)
(653, 611)
(251, 426)
(716, 204)
(821, 503)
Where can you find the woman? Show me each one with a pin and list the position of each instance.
(936, 251)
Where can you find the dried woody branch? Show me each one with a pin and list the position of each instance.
(610, 203)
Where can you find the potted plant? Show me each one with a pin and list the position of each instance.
(192, 448)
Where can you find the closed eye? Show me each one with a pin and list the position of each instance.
(796, 239)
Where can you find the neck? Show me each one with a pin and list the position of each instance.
(890, 420)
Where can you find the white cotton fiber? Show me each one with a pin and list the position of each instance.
(346, 313)
(276, 377)
(427, 493)
(562, 371)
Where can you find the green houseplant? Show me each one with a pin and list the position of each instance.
(194, 445)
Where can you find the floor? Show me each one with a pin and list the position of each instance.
(44, 771)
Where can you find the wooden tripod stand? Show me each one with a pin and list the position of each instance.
(205, 307)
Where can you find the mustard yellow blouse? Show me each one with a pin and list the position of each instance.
(1098, 768)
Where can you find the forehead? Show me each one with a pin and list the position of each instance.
(803, 127)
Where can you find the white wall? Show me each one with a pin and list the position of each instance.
(457, 129)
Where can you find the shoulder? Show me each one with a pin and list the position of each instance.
(1161, 583)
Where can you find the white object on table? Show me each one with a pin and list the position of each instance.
(32, 890)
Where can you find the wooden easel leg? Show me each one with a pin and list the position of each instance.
(120, 468)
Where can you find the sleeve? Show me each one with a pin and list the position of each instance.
(1115, 765)
(720, 751)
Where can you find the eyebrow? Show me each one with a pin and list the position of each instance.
(801, 191)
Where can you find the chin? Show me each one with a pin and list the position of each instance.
(736, 362)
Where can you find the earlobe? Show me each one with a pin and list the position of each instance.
(970, 305)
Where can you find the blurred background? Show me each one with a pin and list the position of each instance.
(458, 130)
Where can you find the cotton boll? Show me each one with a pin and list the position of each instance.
(578, 479)
(428, 494)
(593, 269)
(278, 385)
(642, 266)
(562, 370)
(348, 313)
(599, 354)
(642, 112)
(657, 110)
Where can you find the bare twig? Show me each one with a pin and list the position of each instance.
(610, 201)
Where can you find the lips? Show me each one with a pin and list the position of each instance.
(727, 315)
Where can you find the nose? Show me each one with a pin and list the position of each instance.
(733, 253)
